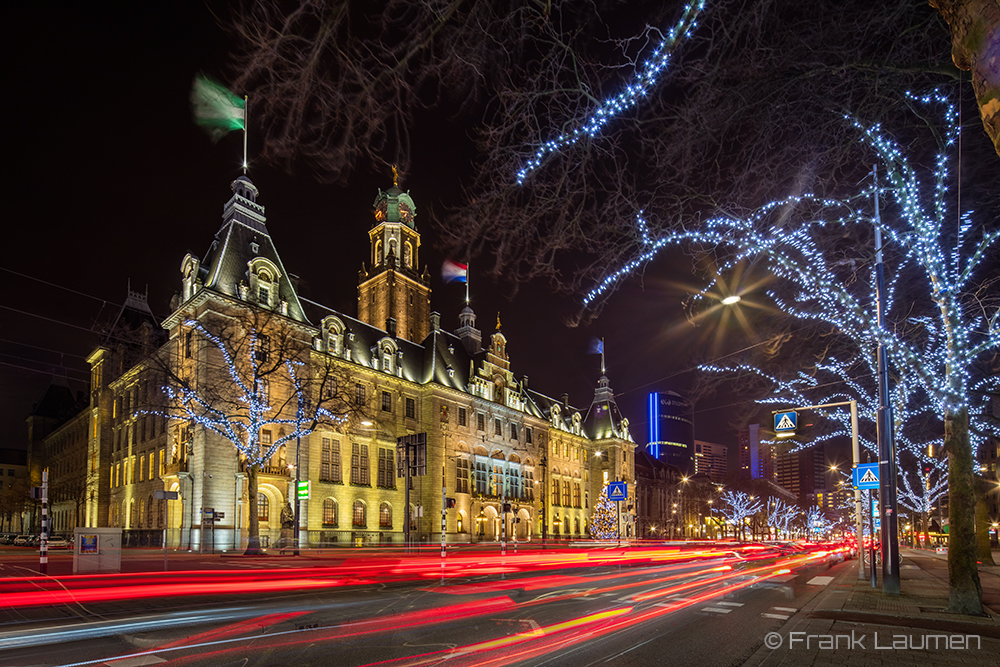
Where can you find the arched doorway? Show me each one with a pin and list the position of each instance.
(491, 524)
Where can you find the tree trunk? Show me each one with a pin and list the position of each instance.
(253, 524)
(966, 593)
(975, 47)
(983, 552)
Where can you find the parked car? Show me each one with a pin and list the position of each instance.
(59, 542)
(7, 538)
(22, 541)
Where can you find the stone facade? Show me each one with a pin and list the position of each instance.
(491, 441)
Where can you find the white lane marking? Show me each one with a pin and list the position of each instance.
(789, 609)
(729, 604)
(819, 581)
(778, 616)
(717, 610)
(138, 661)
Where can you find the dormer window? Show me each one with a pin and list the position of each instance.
(263, 295)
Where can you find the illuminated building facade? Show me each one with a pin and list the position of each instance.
(757, 459)
(491, 439)
(711, 459)
(671, 430)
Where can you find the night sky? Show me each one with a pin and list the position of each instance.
(109, 183)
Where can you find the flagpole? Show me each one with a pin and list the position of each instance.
(602, 357)
(466, 284)
(246, 124)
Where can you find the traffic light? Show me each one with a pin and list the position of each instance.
(449, 503)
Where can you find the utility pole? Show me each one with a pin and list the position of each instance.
(886, 444)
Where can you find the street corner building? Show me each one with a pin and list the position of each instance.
(493, 443)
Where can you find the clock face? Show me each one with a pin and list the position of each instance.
(404, 213)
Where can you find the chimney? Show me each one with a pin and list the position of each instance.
(435, 321)
(390, 327)
(565, 399)
(524, 383)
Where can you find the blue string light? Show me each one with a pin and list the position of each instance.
(937, 351)
(253, 412)
(645, 78)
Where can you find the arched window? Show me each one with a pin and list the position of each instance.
(576, 526)
(139, 517)
(130, 514)
(329, 512)
(263, 508)
(149, 509)
(385, 516)
(359, 519)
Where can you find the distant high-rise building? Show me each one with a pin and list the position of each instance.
(756, 457)
(711, 459)
(804, 474)
(671, 430)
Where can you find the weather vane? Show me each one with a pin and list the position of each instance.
(395, 177)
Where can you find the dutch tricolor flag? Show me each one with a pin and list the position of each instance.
(453, 272)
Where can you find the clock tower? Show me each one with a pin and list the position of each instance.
(390, 286)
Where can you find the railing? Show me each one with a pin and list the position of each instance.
(277, 471)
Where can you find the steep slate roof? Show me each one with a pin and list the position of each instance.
(243, 229)
(604, 419)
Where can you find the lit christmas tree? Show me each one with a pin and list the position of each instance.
(604, 520)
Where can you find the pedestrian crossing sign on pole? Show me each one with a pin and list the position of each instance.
(617, 491)
(785, 423)
(865, 476)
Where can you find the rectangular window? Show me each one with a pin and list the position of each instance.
(513, 431)
(262, 295)
(329, 467)
(555, 492)
(386, 468)
(462, 476)
(163, 462)
(142, 467)
(481, 478)
(359, 393)
(386, 402)
(576, 494)
(481, 421)
(529, 485)
(497, 427)
(461, 417)
(411, 408)
(527, 435)
(359, 464)
(566, 493)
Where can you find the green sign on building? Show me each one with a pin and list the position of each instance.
(303, 490)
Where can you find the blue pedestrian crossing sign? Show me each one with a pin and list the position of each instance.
(617, 491)
(865, 476)
(785, 423)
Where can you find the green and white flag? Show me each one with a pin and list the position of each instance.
(216, 108)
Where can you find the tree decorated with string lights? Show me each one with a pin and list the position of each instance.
(737, 506)
(922, 471)
(780, 516)
(604, 520)
(944, 317)
(261, 377)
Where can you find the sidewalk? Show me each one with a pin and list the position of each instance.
(852, 624)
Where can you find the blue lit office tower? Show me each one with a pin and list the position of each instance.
(671, 430)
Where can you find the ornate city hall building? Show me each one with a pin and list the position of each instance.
(493, 442)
